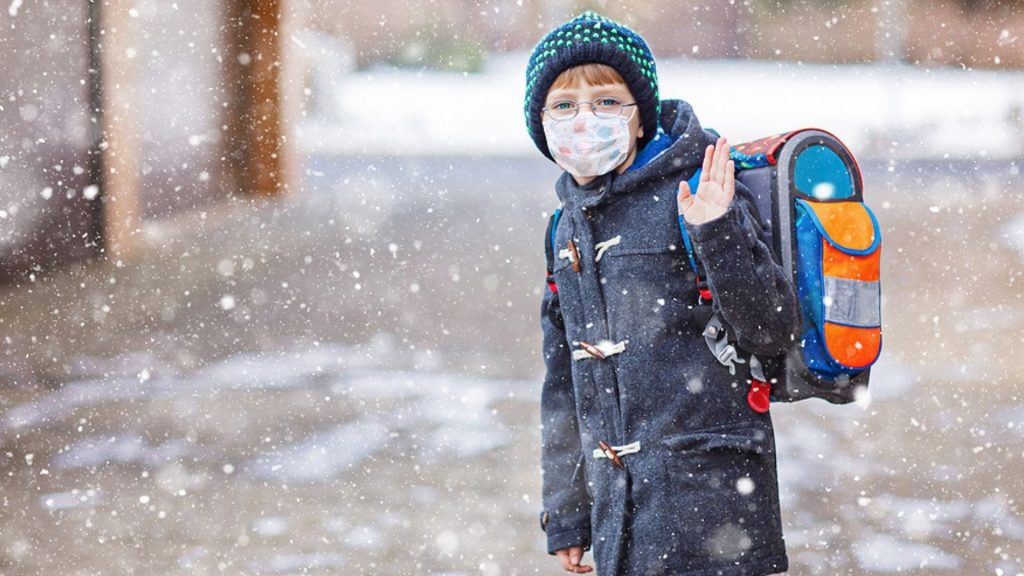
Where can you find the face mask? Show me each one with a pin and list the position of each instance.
(587, 145)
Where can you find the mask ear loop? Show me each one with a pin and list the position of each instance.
(634, 107)
(629, 119)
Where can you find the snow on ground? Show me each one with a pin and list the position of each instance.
(298, 563)
(1012, 233)
(878, 110)
(323, 455)
(885, 553)
(910, 534)
(457, 417)
(455, 412)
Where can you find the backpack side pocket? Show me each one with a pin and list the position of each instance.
(838, 264)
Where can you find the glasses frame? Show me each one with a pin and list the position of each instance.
(593, 110)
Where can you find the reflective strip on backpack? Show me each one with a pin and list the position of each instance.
(852, 302)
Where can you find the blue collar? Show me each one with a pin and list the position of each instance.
(661, 142)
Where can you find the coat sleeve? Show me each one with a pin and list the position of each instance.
(755, 296)
(566, 515)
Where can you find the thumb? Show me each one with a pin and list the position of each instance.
(685, 198)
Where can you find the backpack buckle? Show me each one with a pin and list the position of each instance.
(717, 339)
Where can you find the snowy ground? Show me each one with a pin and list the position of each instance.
(345, 382)
(879, 111)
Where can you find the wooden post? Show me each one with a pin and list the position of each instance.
(112, 35)
(265, 133)
(254, 136)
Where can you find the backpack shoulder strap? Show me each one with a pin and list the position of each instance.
(718, 335)
(549, 246)
(692, 182)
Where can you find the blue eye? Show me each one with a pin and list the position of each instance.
(607, 102)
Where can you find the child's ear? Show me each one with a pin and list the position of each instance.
(640, 132)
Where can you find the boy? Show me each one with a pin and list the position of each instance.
(651, 454)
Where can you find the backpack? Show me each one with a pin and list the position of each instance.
(808, 190)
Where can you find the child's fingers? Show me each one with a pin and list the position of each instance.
(705, 171)
(570, 559)
(684, 190)
(563, 557)
(685, 197)
(721, 156)
(730, 182)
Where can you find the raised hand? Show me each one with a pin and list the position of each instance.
(715, 190)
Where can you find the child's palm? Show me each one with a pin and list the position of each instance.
(715, 190)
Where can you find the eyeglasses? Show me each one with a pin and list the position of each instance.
(602, 108)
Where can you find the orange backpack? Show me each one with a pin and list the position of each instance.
(809, 193)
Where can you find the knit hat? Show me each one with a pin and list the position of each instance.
(592, 38)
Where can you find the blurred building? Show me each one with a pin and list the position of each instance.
(972, 33)
(115, 112)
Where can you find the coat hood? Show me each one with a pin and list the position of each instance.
(684, 155)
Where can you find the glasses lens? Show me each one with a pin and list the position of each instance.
(562, 110)
(607, 108)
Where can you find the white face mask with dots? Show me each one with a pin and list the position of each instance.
(587, 145)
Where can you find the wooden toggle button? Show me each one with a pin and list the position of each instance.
(575, 256)
(593, 350)
(610, 453)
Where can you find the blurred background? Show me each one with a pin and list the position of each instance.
(271, 273)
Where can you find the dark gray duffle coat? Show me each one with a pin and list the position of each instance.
(700, 497)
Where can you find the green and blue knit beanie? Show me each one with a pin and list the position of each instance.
(592, 38)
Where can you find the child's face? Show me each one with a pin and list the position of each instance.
(582, 91)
